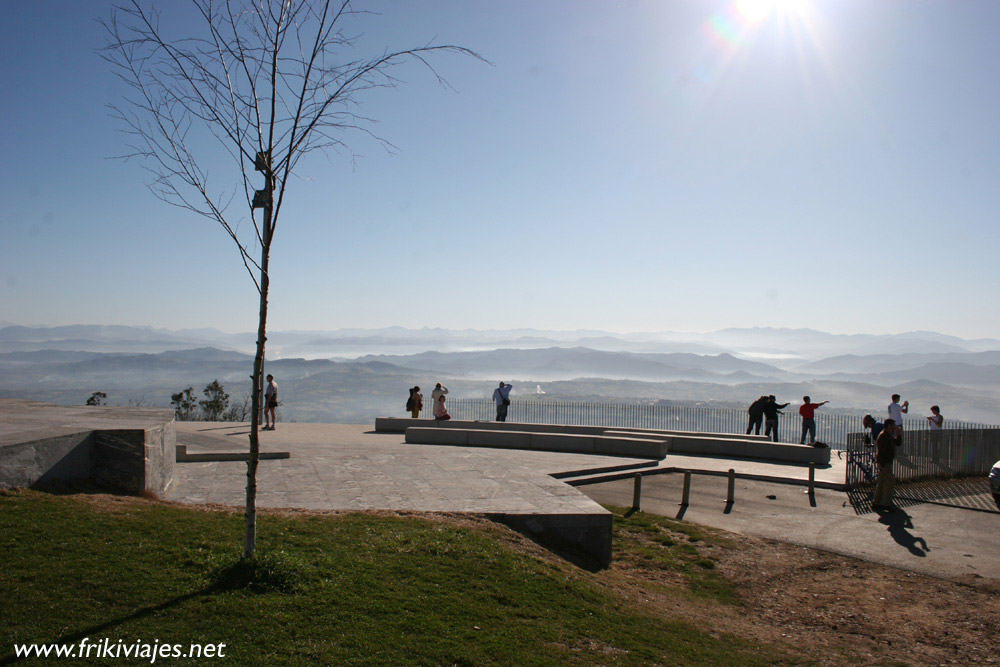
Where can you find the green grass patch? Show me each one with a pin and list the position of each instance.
(660, 544)
(333, 590)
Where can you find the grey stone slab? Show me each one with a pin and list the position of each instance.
(563, 442)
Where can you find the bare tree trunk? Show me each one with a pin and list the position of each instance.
(250, 543)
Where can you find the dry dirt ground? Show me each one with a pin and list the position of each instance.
(832, 609)
(827, 609)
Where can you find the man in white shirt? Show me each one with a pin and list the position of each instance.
(896, 411)
(270, 403)
(502, 396)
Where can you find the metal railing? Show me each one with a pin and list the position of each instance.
(831, 428)
(946, 453)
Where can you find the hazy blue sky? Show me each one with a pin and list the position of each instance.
(653, 165)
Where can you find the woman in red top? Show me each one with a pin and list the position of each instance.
(808, 412)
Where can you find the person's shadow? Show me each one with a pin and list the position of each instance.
(898, 522)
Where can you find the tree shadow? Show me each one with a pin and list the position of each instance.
(260, 575)
(108, 625)
(899, 523)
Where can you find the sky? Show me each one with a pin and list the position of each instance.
(656, 165)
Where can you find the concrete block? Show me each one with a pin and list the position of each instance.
(585, 537)
(637, 435)
(60, 458)
(708, 446)
(563, 442)
(635, 447)
(500, 439)
(437, 436)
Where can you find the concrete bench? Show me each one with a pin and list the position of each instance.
(738, 447)
(673, 432)
(578, 443)
(400, 424)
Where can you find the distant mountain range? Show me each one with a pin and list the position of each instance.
(786, 348)
(733, 366)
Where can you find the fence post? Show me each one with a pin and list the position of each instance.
(686, 493)
(731, 493)
(637, 492)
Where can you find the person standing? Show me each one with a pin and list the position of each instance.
(502, 397)
(808, 412)
(896, 411)
(936, 421)
(771, 411)
(417, 403)
(885, 452)
(439, 391)
(270, 403)
(756, 412)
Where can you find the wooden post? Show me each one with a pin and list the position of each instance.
(731, 495)
(812, 479)
(637, 492)
(685, 495)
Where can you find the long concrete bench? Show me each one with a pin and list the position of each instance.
(737, 447)
(400, 424)
(645, 446)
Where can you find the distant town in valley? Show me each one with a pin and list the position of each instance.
(354, 375)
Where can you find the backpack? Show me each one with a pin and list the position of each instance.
(409, 404)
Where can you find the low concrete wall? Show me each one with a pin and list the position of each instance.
(135, 458)
(638, 447)
(738, 447)
(60, 458)
(581, 534)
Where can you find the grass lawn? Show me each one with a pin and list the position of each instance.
(353, 589)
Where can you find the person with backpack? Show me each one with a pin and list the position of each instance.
(415, 403)
(502, 397)
(756, 412)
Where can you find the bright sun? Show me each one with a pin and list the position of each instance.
(755, 11)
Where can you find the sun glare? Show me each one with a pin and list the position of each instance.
(755, 11)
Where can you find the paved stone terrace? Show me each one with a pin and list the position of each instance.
(347, 467)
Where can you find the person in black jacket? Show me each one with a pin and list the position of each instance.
(771, 411)
(889, 439)
(756, 412)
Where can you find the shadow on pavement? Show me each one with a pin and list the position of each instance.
(899, 523)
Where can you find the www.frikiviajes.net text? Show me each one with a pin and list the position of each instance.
(107, 648)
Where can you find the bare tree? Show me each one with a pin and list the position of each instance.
(263, 81)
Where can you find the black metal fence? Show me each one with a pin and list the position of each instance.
(945, 453)
(831, 428)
